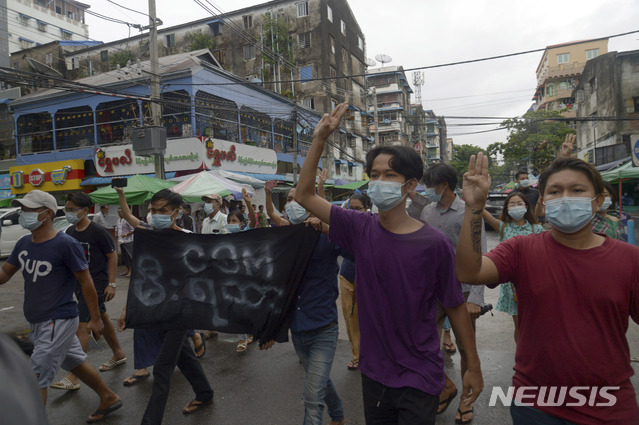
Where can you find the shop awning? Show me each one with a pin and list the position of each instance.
(287, 157)
(267, 177)
(341, 161)
(352, 186)
(608, 166)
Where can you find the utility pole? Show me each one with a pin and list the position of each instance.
(375, 116)
(156, 112)
(294, 141)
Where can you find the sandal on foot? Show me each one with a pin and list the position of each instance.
(195, 405)
(134, 379)
(65, 384)
(200, 350)
(461, 416)
(241, 347)
(112, 364)
(249, 339)
(449, 347)
(446, 402)
(104, 412)
(353, 365)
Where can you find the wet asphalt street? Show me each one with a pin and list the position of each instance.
(265, 387)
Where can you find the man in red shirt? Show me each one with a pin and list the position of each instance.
(576, 290)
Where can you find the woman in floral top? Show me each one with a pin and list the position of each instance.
(604, 222)
(517, 219)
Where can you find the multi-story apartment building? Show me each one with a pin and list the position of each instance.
(312, 51)
(392, 94)
(33, 22)
(608, 97)
(558, 73)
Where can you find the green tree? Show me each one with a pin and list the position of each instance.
(461, 156)
(199, 41)
(533, 138)
(120, 58)
(277, 42)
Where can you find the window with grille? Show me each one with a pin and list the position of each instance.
(343, 27)
(248, 21)
(306, 74)
(329, 13)
(304, 40)
(309, 103)
(249, 52)
(170, 40)
(563, 58)
(302, 9)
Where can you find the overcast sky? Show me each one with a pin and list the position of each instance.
(423, 33)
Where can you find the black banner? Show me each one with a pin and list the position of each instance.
(236, 283)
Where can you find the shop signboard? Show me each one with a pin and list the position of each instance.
(50, 176)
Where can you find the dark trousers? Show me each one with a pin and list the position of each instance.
(401, 406)
(175, 350)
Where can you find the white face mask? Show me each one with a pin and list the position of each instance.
(385, 195)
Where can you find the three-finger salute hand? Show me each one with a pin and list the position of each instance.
(330, 122)
(476, 182)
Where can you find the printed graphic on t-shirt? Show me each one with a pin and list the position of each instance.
(34, 267)
(86, 247)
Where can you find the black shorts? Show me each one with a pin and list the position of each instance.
(85, 314)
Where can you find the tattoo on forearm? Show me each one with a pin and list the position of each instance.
(475, 232)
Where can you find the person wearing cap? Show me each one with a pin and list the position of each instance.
(51, 261)
(215, 221)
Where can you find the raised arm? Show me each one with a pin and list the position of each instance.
(305, 193)
(250, 209)
(126, 211)
(491, 221)
(471, 266)
(275, 218)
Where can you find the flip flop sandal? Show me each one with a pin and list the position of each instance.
(195, 405)
(447, 402)
(450, 348)
(112, 364)
(353, 365)
(134, 379)
(241, 347)
(202, 347)
(461, 415)
(65, 384)
(104, 412)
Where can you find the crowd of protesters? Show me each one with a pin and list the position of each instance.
(405, 270)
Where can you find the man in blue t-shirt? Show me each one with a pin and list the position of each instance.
(51, 261)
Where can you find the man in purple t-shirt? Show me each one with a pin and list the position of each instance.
(404, 267)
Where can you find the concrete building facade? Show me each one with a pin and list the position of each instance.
(559, 71)
(34, 22)
(608, 98)
(392, 93)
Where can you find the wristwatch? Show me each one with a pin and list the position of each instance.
(113, 285)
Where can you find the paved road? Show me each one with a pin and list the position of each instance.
(265, 387)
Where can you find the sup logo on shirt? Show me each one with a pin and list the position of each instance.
(34, 267)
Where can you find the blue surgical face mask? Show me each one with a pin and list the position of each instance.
(296, 213)
(606, 204)
(29, 220)
(432, 194)
(72, 217)
(162, 221)
(385, 195)
(524, 183)
(569, 214)
(208, 208)
(180, 213)
(517, 213)
(233, 228)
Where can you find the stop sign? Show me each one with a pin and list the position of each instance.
(36, 177)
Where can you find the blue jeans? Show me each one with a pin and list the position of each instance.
(316, 350)
(447, 324)
(525, 415)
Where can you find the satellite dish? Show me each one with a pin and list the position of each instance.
(41, 68)
(383, 59)
(370, 62)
